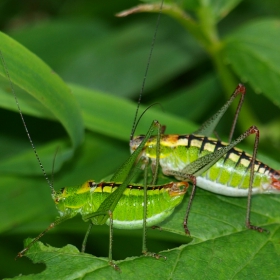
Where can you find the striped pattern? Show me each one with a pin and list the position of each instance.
(229, 175)
(87, 198)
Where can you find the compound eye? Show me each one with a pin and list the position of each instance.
(92, 184)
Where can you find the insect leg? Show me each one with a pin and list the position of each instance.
(254, 130)
(86, 237)
(155, 174)
(208, 127)
(144, 234)
(110, 256)
(185, 223)
(145, 251)
(51, 226)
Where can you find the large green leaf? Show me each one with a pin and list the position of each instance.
(32, 75)
(226, 250)
(253, 54)
(110, 60)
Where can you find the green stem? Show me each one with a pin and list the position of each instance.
(206, 33)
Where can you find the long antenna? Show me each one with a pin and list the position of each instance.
(135, 122)
(24, 124)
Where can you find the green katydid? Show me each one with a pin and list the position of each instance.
(233, 173)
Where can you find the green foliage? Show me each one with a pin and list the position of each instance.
(200, 55)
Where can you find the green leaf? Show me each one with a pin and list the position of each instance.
(253, 53)
(99, 59)
(32, 75)
(205, 89)
(239, 255)
(219, 9)
(118, 122)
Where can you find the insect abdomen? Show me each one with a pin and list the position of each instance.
(230, 175)
(160, 204)
(128, 214)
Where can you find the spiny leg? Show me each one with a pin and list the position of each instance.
(145, 251)
(208, 127)
(156, 164)
(253, 130)
(144, 233)
(185, 223)
(51, 226)
(191, 178)
(111, 262)
(240, 89)
(86, 237)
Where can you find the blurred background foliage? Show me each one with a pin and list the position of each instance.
(87, 46)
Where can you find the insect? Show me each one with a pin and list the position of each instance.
(232, 173)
